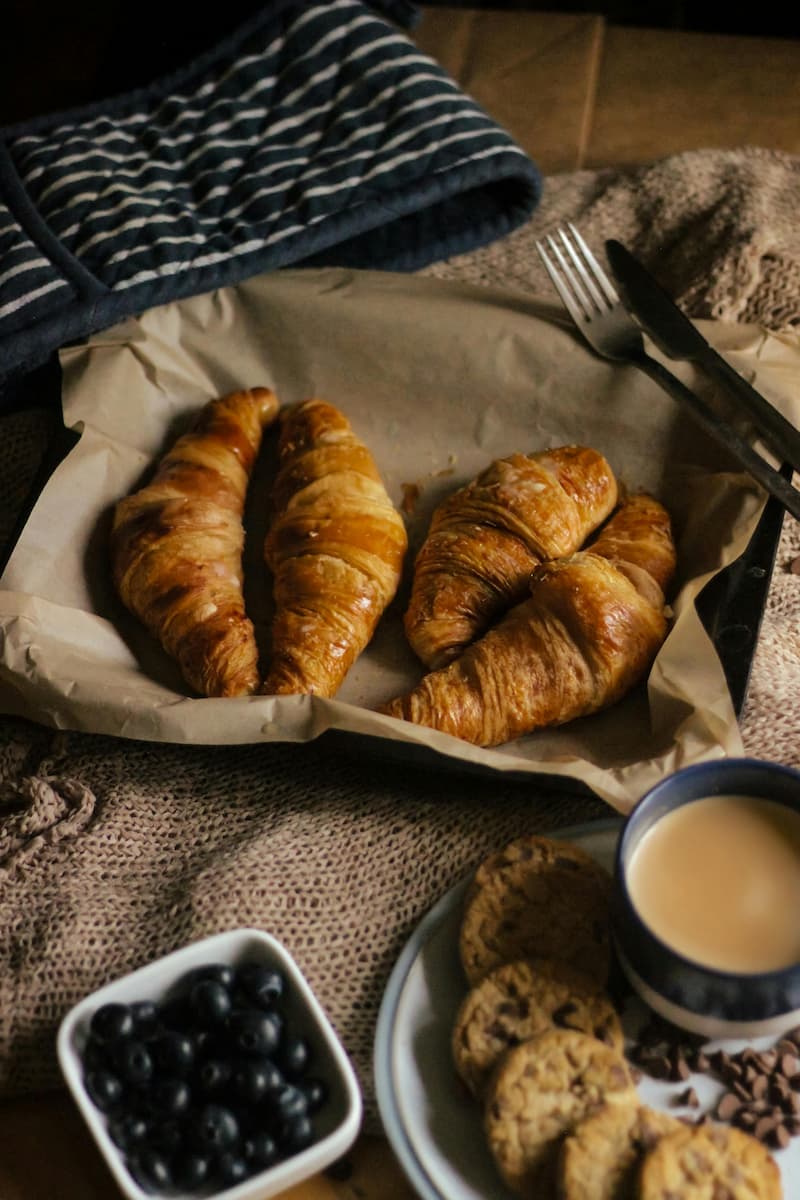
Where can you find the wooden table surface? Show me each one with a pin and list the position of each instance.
(575, 93)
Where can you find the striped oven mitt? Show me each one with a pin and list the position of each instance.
(315, 135)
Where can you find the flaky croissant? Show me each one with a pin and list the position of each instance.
(586, 635)
(335, 547)
(485, 539)
(176, 546)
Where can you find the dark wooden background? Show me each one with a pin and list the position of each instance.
(54, 55)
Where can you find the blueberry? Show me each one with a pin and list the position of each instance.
(192, 1170)
(260, 1149)
(167, 1136)
(134, 1062)
(111, 1022)
(316, 1093)
(176, 1014)
(293, 1055)
(296, 1134)
(145, 1017)
(173, 1052)
(128, 1131)
(288, 1102)
(169, 1097)
(213, 1075)
(255, 1078)
(105, 1090)
(210, 1002)
(96, 1056)
(232, 1167)
(217, 1127)
(254, 1032)
(219, 972)
(151, 1170)
(260, 983)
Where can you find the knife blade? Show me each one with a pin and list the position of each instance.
(677, 337)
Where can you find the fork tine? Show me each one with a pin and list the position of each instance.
(598, 303)
(585, 297)
(598, 271)
(584, 288)
(568, 300)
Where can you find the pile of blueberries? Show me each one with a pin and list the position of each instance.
(208, 1087)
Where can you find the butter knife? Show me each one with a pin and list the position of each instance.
(677, 337)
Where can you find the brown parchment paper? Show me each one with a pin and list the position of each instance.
(438, 378)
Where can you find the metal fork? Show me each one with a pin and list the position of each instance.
(591, 300)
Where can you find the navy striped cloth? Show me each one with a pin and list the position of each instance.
(317, 134)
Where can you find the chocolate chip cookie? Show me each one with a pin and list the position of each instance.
(702, 1161)
(517, 1001)
(600, 1159)
(537, 898)
(536, 1096)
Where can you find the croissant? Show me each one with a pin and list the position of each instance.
(335, 547)
(485, 539)
(176, 546)
(586, 635)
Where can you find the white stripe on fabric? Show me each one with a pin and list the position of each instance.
(234, 213)
(197, 239)
(210, 259)
(162, 186)
(31, 264)
(203, 260)
(24, 301)
(471, 112)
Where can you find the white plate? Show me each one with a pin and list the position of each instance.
(433, 1126)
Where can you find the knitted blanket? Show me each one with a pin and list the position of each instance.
(112, 852)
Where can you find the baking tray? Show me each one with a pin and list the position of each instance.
(731, 606)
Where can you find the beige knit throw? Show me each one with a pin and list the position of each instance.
(112, 853)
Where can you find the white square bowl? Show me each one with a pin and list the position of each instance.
(336, 1124)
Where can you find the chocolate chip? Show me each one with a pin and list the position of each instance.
(657, 1066)
(762, 1087)
(788, 1065)
(679, 1070)
(728, 1106)
(763, 1128)
(780, 1137)
(561, 1015)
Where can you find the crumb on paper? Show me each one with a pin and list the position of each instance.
(411, 494)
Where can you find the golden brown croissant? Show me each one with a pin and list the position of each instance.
(485, 539)
(585, 636)
(335, 547)
(176, 546)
